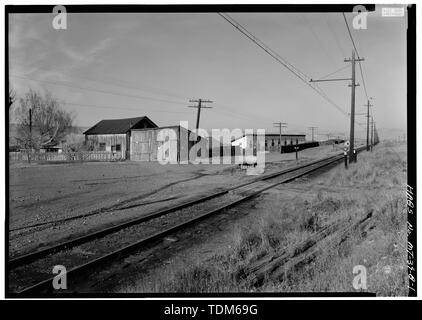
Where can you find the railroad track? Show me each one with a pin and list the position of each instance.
(31, 274)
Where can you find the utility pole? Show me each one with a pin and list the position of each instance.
(328, 139)
(372, 132)
(280, 125)
(199, 107)
(30, 136)
(352, 112)
(30, 128)
(312, 129)
(376, 139)
(352, 107)
(12, 97)
(367, 126)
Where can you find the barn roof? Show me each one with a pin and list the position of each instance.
(118, 126)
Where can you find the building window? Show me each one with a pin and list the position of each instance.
(266, 144)
(117, 147)
(279, 141)
(102, 146)
(285, 142)
(297, 141)
(291, 142)
(272, 142)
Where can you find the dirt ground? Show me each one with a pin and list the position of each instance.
(81, 197)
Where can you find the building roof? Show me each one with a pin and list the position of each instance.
(272, 134)
(286, 134)
(119, 126)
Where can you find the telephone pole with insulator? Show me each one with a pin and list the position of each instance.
(367, 127)
(199, 107)
(353, 85)
(280, 125)
(313, 129)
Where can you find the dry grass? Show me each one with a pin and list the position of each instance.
(385, 167)
(378, 183)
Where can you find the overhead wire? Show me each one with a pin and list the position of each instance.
(334, 72)
(117, 83)
(299, 74)
(66, 84)
(332, 30)
(357, 53)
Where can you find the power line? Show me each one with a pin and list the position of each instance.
(61, 83)
(263, 46)
(334, 72)
(299, 74)
(357, 53)
(318, 40)
(122, 108)
(117, 83)
(280, 125)
(249, 116)
(313, 129)
(227, 112)
(199, 107)
(332, 30)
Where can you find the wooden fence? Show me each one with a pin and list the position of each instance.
(65, 156)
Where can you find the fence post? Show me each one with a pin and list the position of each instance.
(345, 159)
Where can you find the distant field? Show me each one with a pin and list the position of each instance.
(281, 219)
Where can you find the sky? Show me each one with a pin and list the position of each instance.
(107, 66)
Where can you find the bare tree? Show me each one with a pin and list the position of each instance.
(75, 142)
(12, 97)
(41, 120)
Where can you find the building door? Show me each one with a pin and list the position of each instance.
(140, 145)
(144, 145)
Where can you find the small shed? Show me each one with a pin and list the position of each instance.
(113, 135)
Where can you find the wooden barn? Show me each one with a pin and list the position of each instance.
(115, 135)
(137, 139)
(145, 143)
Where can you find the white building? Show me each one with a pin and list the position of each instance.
(272, 141)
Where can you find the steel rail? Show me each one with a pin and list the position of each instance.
(74, 272)
(30, 257)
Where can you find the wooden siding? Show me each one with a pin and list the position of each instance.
(110, 140)
(144, 144)
(285, 140)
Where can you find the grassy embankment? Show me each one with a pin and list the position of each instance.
(377, 182)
